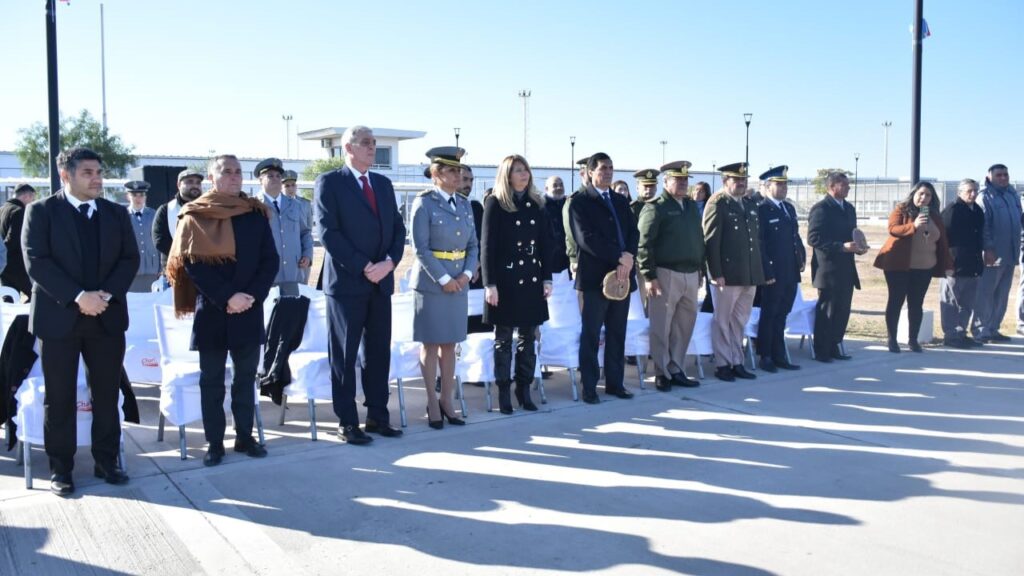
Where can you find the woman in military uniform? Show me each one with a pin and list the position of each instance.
(444, 237)
(516, 275)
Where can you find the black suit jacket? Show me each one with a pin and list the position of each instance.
(162, 235)
(53, 260)
(559, 260)
(251, 273)
(12, 216)
(782, 252)
(352, 235)
(828, 227)
(593, 227)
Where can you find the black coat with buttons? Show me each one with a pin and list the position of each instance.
(515, 258)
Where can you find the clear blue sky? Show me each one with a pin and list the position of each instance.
(188, 76)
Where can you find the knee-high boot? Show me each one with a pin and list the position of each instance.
(504, 396)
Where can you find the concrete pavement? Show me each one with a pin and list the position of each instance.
(887, 464)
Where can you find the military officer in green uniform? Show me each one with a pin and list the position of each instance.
(670, 258)
(646, 189)
(732, 237)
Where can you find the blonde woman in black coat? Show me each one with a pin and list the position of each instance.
(516, 275)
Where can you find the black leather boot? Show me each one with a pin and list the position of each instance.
(523, 396)
(504, 396)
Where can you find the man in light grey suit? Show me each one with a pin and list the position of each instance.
(292, 235)
(142, 217)
(291, 189)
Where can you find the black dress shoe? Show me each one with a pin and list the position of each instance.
(110, 474)
(894, 347)
(840, 356)
(250, 447)
(741, 372)
(620, 393)
(591, 398)
(62, 485)
(958, 343)
(973, 342)
(915, 347)
(998, 337)
(786, 365)
(214, 456)
(435, 424)
(767, 365)
(354, 436)
(664, 384)
(680, 379)
(725, 373)
(823, 359)
(382, 428)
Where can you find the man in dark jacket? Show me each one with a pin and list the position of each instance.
(670, 258)
(964, 221)
(606, 237)
(554, 204)
(190, 187)
(783, 257)
(224, 274)
(12, 216)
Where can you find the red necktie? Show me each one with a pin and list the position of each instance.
(369, 194)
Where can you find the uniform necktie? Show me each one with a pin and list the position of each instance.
(276, 207)
(618, 227)
(368, 192)
(84, 209)
(451, 202)
(138, 216)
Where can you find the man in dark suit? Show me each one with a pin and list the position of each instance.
(12, 216)
(81, 255)
(830, 228)
(554, 203)
(783, 257)
(364, 238)
(606, 236)
(224, 274)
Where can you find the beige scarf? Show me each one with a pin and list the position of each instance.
(204, 234)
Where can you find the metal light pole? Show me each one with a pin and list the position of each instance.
(287, 134)
(456, 137)
(51, 83)
(915, 117)
(572, 165)
(885, 149)
(663, 144)
(103, 67)
(525, 95)
(746, 119)
(856, 171)
(713, 173)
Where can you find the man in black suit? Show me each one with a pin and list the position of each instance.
(190, 187)
(364, 239)
(12, 217)
(783, 257)
(833, 271)
(554, 203)
(606, 236)
(222, 264)
(81, 255)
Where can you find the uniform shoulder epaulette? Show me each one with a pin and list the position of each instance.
(425, 192)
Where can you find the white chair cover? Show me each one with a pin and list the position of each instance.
(800, 320)
(31, 412)
(700, 342)
(142, 352)
(311, 369)
(638, 328)
(179, 383)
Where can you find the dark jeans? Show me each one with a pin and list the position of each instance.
(909, 286)
(212, 364)
(103, 356)
(525, 356)
(599, 311)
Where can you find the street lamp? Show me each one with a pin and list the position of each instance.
(287, 134)
(456, 137)
(856, 166)
(885, 149)
(663, 144)
(713, 166)
(746, 119)
(572, 164)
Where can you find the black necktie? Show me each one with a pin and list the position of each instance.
(276, 207)
(84, 209)
(452, 202)
(138, 215)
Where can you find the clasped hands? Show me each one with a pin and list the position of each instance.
(93, 303)
(456, 284)
(376, 272)
(239, 303)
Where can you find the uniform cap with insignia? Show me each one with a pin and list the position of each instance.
(647, 176)
(444, 156)
(777, 174)
(268, 164)
(289, 176)
(677, 169)
(136, 187)
(23, 186)
(190, 172)
(737, 170)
